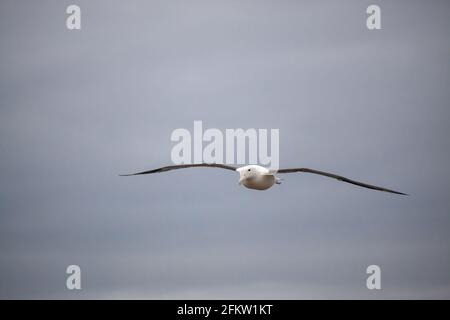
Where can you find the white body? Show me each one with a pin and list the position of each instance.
(256, 177)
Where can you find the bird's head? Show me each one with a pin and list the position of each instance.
(250, 172)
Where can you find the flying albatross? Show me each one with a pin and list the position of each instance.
(260, 178)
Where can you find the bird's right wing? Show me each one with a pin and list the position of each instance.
(183, 166)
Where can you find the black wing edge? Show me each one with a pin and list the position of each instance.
(340, 178)
(181, 166)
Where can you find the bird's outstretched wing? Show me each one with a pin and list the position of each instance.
(182, 166)
(340, 178)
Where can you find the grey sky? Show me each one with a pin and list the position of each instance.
(79, 107)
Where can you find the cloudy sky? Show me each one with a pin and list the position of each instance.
(79, 107)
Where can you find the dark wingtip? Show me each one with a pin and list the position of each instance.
(397, 192)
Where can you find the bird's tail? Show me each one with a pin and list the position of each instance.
(278, 180)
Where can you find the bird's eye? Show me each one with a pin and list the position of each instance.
(249, 169)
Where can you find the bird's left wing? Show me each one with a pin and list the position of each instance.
(340, 178)
(183, 166)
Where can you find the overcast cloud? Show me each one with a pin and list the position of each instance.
(79, 107)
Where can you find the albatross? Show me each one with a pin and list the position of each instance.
(260, 178)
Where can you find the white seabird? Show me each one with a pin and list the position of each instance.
(260, 178)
